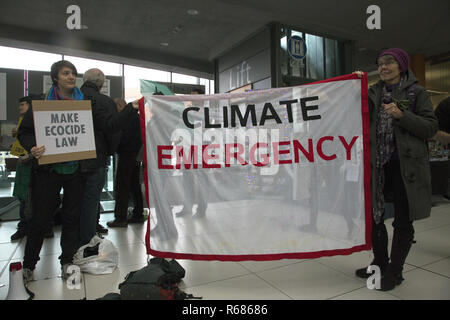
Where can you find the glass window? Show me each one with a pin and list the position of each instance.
(83, 64)
(183, 78)
(325, 58)
(314, 57)
(133, 74)
(334, 57)
(209, 85)
(27, 59)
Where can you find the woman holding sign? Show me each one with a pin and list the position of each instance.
(48, 180)
(401, 121)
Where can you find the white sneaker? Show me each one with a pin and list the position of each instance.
(65, 274)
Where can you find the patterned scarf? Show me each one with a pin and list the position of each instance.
(385, 149)
(53, 94)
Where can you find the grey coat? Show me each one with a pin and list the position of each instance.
(411, 134)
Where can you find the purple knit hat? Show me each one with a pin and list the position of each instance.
(400, 56)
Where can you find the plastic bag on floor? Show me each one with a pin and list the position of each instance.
(99, 256)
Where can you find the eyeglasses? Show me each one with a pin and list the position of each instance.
(387, 63)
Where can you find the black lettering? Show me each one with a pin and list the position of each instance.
(264, 116)
(288, 104)
(185, 117)
(243, 120)
(207, 123)
(73, 141)
(225, 117)
(306, 108)
(54, 118)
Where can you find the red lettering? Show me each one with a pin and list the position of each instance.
(189, 159)
(206, 156)
(308, 154)
(319, 149)
(348, 147)
(236, 154)
(162, 156)
(252, 155)
(277, 152)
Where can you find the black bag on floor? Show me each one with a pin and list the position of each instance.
(157, 281)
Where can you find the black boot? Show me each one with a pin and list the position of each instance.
(390, 279)
(380, 250)
(401, 244)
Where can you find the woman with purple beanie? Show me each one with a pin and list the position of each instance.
(401, 122)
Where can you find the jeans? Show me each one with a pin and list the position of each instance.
(95, 182)
(46, 186)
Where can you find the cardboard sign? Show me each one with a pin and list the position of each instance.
(65, 128)
(16, 148)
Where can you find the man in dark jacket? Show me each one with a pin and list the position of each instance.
(128, 173)
(106, 141)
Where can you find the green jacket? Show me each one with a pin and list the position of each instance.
(22, 180)
(411, 134)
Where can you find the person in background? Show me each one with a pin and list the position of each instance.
(192, 183)
(442, 113)
(107, 126)
(401, 122)
(128, 174)
(23, 172)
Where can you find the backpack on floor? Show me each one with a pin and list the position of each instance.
(157, 281)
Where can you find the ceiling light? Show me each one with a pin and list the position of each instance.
(164, 44)
(192, 12)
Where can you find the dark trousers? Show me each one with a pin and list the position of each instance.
(192, 184)
(127, 181)
(23, 224)
(46, 186)
(95, 181)
(403, 225)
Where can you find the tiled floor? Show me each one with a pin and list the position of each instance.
(427, 271)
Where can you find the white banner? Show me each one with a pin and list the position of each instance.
(279, 173)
